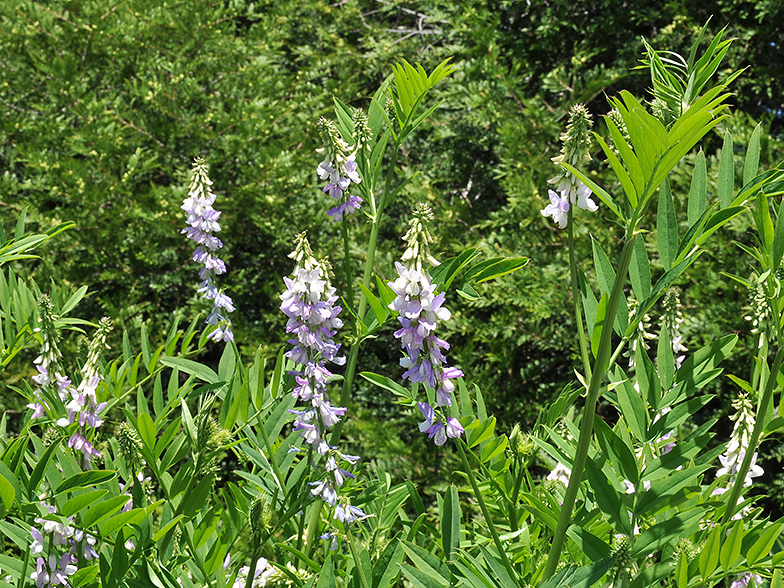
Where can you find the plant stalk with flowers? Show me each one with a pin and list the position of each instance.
(642, 152)
(202, 224)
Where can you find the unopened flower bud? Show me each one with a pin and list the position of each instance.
(130, 444)
(520, 443)
(363, 136)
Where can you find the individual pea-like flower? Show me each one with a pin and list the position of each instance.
(261, 573)
(438, 427)
(309, 303)
(202, 224)
(574, 151)
(419, 310)
(340, 168)
(558, 209)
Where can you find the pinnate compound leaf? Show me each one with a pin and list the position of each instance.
(682, 524)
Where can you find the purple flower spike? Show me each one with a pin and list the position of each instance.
(202, 223)
(309, 303)
(420, 310)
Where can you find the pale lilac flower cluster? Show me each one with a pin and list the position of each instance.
(65, 546)
(340, 168)
(202, 224)
(309, 303)
(80, 402)
(419, 311)
(745, 580)
(83, 407)
(737, 447)
(575, 151)
(261, 573)
(560, 473)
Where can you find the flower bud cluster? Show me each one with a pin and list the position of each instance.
(575, 151)
(58, 548)
(202, 224)
(309, 303)
(672, 318)
(758, 310)
(420, 310)
(340, 167)
(641, 336)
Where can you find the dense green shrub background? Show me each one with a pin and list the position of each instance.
(105, 104)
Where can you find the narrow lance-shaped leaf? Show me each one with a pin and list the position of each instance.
(450, 523)
(751, 163)
(778, 239)
(666, 227)
(698, 194)
(726, 172)
(640, 271)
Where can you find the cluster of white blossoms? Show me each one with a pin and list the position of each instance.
(737, 447)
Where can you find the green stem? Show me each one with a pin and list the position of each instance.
(357, 562)
(272, 460)
(25, 561)
(478, 494)
(315, 517)
(576, 295)
(251, 570)
(759, 424)
(347, 263)
(348, 376)
(586, 426)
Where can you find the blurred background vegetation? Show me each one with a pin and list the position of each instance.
(105, 104)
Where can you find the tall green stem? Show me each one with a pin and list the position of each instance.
(347, 262)
(478, 494)
(358, 563)
(759, 424)
(586, 426)
(348, 376)
(576, 294)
